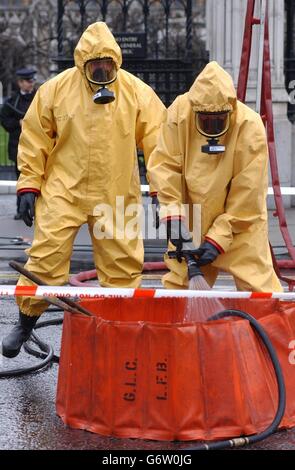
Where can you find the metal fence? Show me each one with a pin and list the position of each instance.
(168, 53)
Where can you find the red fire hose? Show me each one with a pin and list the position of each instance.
(81, 279)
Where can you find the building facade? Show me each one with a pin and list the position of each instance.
(225, 21)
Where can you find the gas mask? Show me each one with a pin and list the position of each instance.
(212, 126)
(101, 72)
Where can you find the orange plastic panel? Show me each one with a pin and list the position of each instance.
(136, 370)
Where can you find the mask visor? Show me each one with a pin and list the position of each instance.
(101, 71)
(212, 125)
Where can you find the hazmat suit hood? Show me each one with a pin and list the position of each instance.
(97, 42)
(213, 90)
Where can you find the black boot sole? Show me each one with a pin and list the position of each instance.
(10, 353)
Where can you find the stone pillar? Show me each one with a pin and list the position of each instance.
(225, 29)
(293, 164)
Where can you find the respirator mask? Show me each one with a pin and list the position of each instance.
(213, 126)
(101, 72)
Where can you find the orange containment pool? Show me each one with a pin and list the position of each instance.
(136, 370)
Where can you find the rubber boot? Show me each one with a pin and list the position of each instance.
(19, 334)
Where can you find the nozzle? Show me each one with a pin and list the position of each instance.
(192, 266)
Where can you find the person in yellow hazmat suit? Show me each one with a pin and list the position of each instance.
(212, 154)
(77, 153)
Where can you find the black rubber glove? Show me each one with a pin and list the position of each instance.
(27, 207)
(156, 211)
(207, 253)
(180, 237)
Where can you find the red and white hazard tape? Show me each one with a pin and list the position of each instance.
(104, 292)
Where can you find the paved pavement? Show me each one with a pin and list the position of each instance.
(27, 411)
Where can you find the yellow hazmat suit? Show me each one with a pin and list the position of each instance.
(80, 155)
(230, 188)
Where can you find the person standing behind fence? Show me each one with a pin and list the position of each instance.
(13, 112)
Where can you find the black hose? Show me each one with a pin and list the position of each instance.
(27, 370)
(47, 353)
(35, 339)
(19, 239)
(242, 441)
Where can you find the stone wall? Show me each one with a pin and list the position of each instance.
(225, 28)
